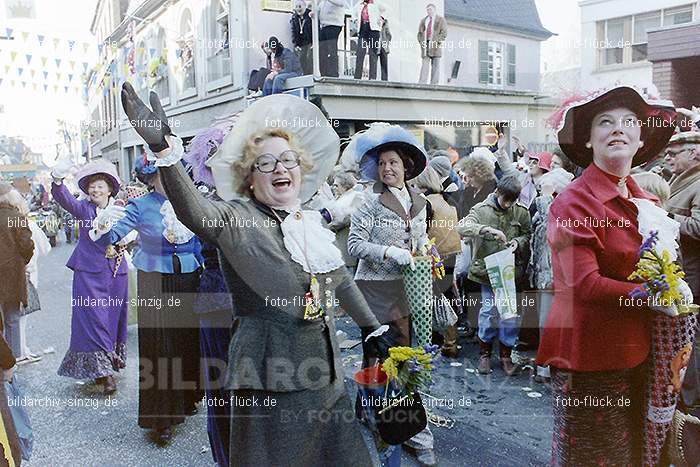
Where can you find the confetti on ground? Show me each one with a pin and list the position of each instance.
(534, 394)
(455, 364)
(471, 370)
(49, 350)
(526, 389)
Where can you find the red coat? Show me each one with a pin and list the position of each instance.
(593, 325)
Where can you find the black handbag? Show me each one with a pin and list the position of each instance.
(33, 303)
(401, 418)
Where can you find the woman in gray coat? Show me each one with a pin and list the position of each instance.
(386, 231)
(288, 401)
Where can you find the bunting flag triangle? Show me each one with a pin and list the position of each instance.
(7, 69)
(28, 57)
(43, 61)
(46, 86)
(85, 65)
(34, 86)
(72, 64)
(56, 41)
(58, 62)
(58, 76)
(24, 84)
(71, 44)
(25, 36)
(99, 48)
(13, 55)
(19, 71)
(151, 53)
(12, 82)
(70, 77)
(0, 81)
(40, 38)
(9, 33)
(55, 88)
(46, 75)
(65, 88)
(32, 72)
(86, 46)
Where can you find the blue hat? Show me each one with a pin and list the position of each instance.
(144, 166)
(367, 145)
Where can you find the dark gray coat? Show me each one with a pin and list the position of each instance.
(272, 348)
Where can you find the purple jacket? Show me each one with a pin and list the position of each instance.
(88, 256)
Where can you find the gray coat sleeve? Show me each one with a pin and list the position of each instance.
(354, 303)
(202, 216)
(359, 244)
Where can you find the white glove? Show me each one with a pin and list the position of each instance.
(109, 216)
(62, 168)
(401, 256)
(684, 289)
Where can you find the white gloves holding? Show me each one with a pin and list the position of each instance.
(108, 217)
(401, 256)
(62, 168)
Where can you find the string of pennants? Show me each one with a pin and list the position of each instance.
(43, 70)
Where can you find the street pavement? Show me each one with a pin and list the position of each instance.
(496, 422)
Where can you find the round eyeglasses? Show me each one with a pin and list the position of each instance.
(267, 163)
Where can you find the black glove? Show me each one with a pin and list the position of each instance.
(151, 125)
(376, 346)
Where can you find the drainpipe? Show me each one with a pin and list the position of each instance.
(314, 39)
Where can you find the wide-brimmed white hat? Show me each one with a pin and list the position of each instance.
(297, 116)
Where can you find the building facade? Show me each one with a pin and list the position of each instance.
(198, 55)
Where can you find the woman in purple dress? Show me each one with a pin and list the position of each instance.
(99, 301)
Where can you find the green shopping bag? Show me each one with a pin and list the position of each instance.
(419, 294)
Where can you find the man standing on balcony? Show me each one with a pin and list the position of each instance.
(432, 32)
(368, 15)
(301, 35)
(331, 17)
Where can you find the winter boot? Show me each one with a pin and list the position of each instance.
(449, 346)
(506, 361)
(484, 358)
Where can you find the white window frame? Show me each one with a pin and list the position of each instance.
(492, 62)
(219, 9)
(628, 35)
(186, 93)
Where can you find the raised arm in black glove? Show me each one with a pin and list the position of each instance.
(151, 125)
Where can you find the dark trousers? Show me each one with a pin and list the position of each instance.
(368, 42)
(306, 59)
(328, 50)
(384, 64)
(257, 79)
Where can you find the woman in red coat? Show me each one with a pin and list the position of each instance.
(595, 340)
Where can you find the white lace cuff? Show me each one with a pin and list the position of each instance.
(176, 153)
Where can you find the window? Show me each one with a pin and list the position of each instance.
(641, 24)
(494, 62)
(218, 51)
(511, 65)
(624, 40)
(158, 69)
(185, 55)
(141, 81)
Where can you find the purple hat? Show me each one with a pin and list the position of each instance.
(100, 166)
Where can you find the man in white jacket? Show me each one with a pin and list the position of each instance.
(367, 15)
(331, 19)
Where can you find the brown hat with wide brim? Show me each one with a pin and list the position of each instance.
(685, 137)
(658, 122)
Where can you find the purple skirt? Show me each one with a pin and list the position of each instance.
(100, 308)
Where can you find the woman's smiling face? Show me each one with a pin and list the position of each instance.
(391, 169)
(281, 186)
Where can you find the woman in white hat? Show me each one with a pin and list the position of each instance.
(289, 404)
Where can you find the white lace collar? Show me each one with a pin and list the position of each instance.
(175, 231)
(306, 239)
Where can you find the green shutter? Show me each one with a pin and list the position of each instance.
(483, 62)
(511, 64)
